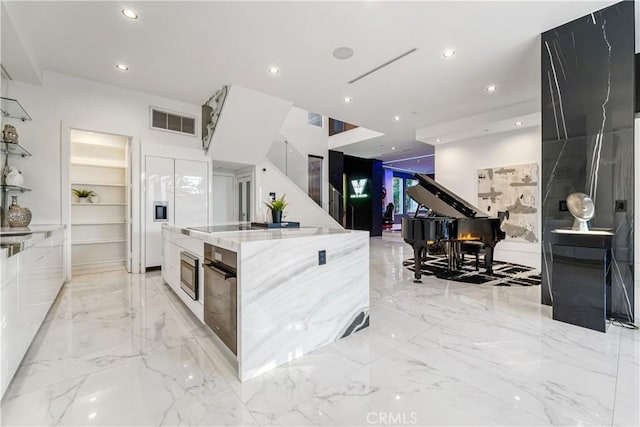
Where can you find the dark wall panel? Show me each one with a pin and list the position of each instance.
(367, 211)
(588, 103)
(336, 169)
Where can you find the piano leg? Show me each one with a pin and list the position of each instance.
(418, 249)
(488, 259)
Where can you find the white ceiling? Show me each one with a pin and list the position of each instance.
(186, 50)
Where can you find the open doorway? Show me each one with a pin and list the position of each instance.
(100, 201)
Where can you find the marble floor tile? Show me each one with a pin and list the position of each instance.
(399, 389)
(120, 349)
(562, 382)
(626, 410)
(278, 391)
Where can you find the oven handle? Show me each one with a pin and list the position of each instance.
(188, 258)
(220, 270)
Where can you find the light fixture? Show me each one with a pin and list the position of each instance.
(393, 148)
(491, 88)
(343, 53)
(448, 53)
(396, 118)
(438, 140)
(348, 99)
(129, 14)
(122, 67)
(274, 70)
(518, 123)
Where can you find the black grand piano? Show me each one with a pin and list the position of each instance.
(450, 220)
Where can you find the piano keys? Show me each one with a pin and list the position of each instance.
(451, 220)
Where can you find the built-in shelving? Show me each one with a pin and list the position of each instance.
(102, 222)
(97, 184)
(14, 149)
(14, 188)
(98, 164)
(12, 109)
(99, 230)
(99, 204)
(98, 242)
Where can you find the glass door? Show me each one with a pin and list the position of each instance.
(244, 198)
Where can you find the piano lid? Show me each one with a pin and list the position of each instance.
(441, 200)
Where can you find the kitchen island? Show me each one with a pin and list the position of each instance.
(288, 291)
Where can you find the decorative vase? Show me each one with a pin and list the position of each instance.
(14, 177)
(9, 134)
(94, 198)
(18, 216)
(276, 216)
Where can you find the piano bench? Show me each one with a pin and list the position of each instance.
(472, 248)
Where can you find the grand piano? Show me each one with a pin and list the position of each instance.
(450, 220)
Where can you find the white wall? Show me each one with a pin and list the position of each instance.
(352, 136)
(268, 178)
(248, 125)
(308, 140)
(64, 102)
(456, 168)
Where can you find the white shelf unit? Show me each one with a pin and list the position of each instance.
(99, 230)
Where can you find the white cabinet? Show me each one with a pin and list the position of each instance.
(31, 281)
(177, 193)
(173, 243)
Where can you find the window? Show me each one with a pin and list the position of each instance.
(398, 194)
(314, 119)
(412, 206)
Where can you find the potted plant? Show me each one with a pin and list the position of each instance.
(82, 194)
(277, 206)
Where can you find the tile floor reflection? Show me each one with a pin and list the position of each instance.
(120, 349)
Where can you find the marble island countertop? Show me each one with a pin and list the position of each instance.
(233, 239)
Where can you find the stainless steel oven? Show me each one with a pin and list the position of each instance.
(221, 294)
(189, 274)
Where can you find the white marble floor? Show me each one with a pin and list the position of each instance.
(119, 349)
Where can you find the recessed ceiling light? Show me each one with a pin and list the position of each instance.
(122, 67)
(129, 14)
(448, 53)
(393, 148)
(343, 53)
(418, 161)
(274, 70)
(438, 140)
(396, 118)
(492, 88)
(348, 99)
(519, 123)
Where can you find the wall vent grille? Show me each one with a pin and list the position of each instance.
(172, 122)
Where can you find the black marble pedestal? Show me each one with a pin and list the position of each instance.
(581, 278)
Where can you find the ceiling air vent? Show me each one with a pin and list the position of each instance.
(172, 122)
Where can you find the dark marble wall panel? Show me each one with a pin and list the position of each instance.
(588, 102)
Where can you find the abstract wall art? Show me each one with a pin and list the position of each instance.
(513, 189)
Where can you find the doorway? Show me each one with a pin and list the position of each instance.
(100, 201)
(245, 189)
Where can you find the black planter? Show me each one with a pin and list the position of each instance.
(276, 216)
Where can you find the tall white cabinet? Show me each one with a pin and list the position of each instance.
(99, 227)
(176, 193)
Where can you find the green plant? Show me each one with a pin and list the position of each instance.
(277, 204)
(82, 192)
